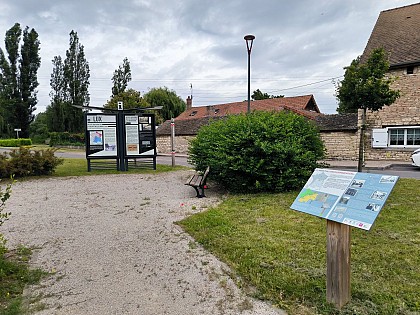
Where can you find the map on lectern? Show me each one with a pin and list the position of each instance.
(346, 197)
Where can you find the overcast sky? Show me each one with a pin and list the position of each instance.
(300, 48)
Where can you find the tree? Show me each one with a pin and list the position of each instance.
(365, 86)
(18, 76)
(69, 86)
(121, 77)
(76, 78)
(38, 130)
(130, 98)
(56, 110)
(258, 95)
(172, 104)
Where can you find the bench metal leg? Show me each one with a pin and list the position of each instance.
(202, 193)
(197, 190)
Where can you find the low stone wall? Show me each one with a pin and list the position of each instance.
(163, 144)
(341, 145)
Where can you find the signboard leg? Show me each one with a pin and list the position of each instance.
(338, 263)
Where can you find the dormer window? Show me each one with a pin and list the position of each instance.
(216, 111)
(193, 113)
(410, 70)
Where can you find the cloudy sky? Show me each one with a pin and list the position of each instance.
(300, 48)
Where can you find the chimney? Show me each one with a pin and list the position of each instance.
(210, 110)
(189, 102)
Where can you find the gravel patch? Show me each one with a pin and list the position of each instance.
(113, 247)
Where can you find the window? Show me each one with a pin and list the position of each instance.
(193, 113)
(216, 111)
(404, 136)
(396, 137)
(410, 70)
(413, 136)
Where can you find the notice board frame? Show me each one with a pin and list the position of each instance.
(112, 125)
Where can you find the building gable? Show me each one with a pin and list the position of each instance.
(397, 31)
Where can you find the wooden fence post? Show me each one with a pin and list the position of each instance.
(338, 263)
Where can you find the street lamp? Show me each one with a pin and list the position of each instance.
(249, 41)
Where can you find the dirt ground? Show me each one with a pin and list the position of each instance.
(112, 247)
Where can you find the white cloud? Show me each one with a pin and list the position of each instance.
(175, 43)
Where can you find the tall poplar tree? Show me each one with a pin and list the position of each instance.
(69, 86)
(18, 80)
(121, 77)
(76, 77)
(55, 111)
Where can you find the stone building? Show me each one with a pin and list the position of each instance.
(394, 131)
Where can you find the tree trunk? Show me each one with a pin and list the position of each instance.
(360, 164)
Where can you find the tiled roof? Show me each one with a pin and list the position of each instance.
(398, 32)
(303, 105)
(190, 121)
(190, 127)
(184, 127)
(337, 122)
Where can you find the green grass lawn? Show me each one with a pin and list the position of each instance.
(15, 274)
(78, 167)
(280, 254)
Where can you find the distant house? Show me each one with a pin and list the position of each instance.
(339, 132)
(189, 122)
(395, 130)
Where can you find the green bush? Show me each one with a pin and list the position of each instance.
(23, 162)
(261, 151)
(4, 216)
(15, 142)
(67, 138)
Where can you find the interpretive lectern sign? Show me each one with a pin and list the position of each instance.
(101, 135)
(345, 197)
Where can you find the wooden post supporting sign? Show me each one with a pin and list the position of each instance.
(338, 263)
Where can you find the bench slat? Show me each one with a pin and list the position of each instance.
(198, 182)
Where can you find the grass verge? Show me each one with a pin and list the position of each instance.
(78, 167)
(14, 276)
(281, 253)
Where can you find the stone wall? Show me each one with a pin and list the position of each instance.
(340, 145)
(163, 144)
(404, 112)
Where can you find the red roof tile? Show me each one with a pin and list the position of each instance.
(302, 105)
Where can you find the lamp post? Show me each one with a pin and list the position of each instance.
(249, 41)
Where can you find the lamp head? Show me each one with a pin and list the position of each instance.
(249, 40)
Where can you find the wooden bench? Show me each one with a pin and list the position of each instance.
(198, 182)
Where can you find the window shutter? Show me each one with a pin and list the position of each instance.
(379, 138)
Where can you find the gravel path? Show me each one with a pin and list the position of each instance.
(113, 246)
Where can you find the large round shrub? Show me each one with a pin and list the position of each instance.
(260, 151)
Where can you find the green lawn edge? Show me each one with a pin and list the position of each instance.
(281, 254)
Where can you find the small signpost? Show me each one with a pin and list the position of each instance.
(17, 132)
(173, 141)
(345, 199)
